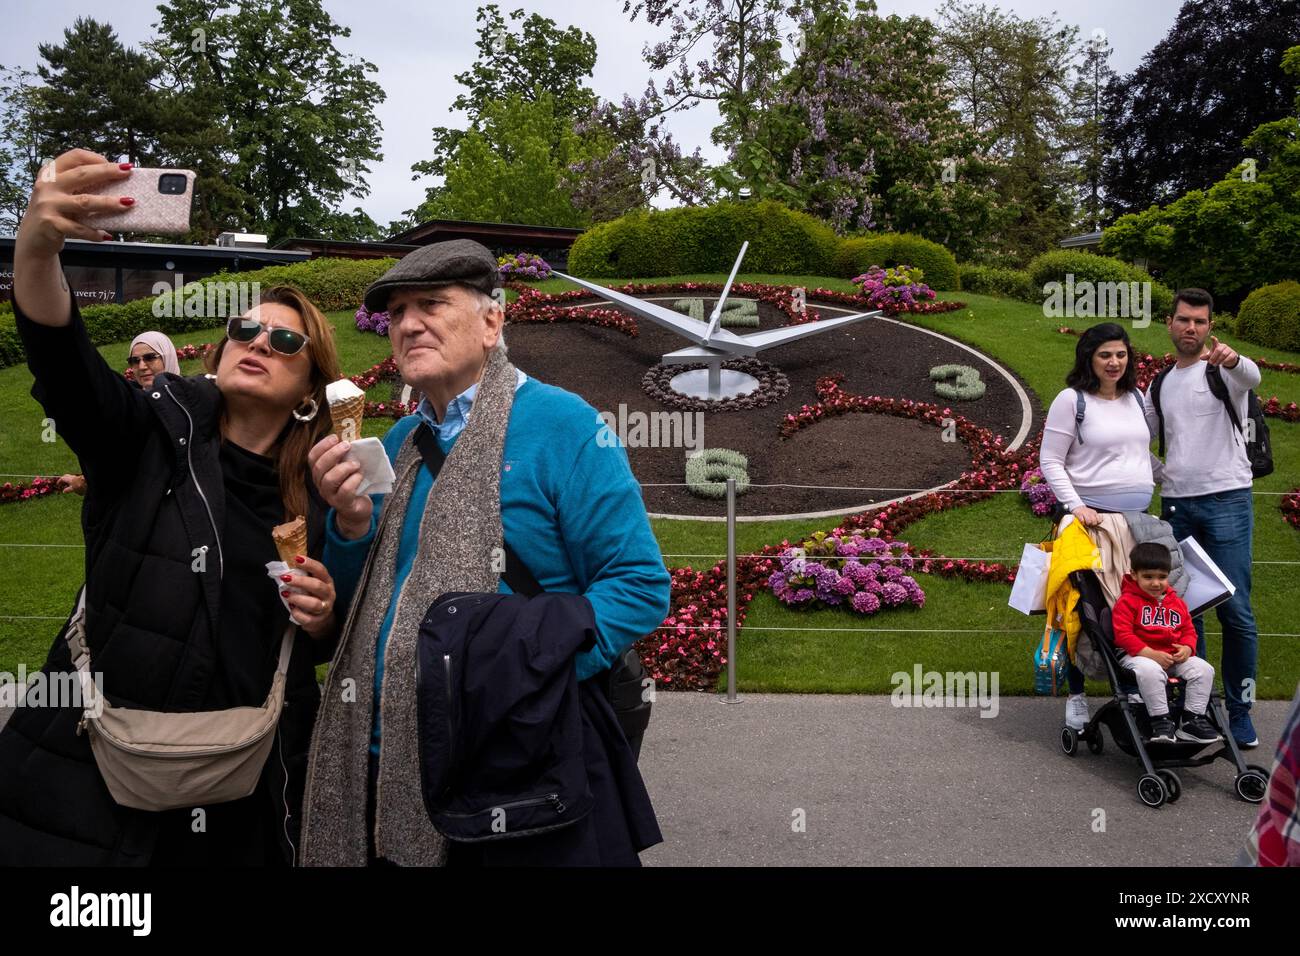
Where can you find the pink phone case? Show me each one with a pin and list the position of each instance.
(153, 211)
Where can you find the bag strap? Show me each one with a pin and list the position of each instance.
(75, 637)
(1214, 379)
(1078, 415)
(1154, 392)
(516, 574)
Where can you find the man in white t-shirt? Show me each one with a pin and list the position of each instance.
(1206, 483)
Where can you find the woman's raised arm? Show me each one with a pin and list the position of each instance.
(94, 409)
(59, 208)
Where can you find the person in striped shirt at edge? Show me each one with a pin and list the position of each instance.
(1274, 840)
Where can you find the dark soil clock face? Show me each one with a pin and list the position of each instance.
(875, 356)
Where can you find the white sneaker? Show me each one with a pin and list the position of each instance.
(1076, 711)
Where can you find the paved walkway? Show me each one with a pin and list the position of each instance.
(890, 786)
(887, 786)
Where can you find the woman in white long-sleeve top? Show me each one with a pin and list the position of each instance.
(1102, 462)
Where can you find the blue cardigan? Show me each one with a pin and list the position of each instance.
(570, 509)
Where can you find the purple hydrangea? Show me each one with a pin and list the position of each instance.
(368, 321)
(828, 570)
(1036, 489)
(892, 594)
(893, 289)
(864, 602)
(523, 265)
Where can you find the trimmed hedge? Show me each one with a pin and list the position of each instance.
(856, 256)
(1085, 266)
(332, 284)
(694, 239)
(1271, 316)
(1007, 283)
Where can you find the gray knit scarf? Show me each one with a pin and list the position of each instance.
(459, 531)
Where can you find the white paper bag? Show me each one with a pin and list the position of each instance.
(1029, 590)
(377, 475)
(1207, 586)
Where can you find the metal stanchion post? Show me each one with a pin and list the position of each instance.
(731, 697)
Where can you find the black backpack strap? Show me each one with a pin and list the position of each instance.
(1214, 379)
(1154, 393)
(1078, 415)
(516, 574)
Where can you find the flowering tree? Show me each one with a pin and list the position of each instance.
(740, 70)
(861, 133)
(634, 158)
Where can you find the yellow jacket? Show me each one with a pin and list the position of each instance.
(1072, 550)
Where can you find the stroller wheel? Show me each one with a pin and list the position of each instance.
(1253, 784)
(1151, 790)
(1173, 786)
(1095, 743)
(1069, 741)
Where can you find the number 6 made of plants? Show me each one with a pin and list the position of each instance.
(707, 472)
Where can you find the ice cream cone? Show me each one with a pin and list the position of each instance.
(346, 417)
(347, 408)
(290, 539)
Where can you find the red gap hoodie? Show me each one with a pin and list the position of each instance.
(1142, 621)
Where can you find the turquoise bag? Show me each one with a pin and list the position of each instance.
(1051, 663)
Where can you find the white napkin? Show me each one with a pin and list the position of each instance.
(377, 475)
(276, 568)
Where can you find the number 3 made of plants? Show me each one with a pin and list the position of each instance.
(965, 387)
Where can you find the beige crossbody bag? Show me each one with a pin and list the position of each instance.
(152, 760)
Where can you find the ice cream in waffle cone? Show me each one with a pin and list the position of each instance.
(347, 409)
(290, 539)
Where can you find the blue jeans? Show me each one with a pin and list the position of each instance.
(1223, 525)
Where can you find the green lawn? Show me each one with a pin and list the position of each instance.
(964, 626)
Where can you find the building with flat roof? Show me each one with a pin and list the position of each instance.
(122, 271)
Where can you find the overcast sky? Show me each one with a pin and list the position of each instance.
(420, 46)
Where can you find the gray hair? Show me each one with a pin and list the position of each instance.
(485, 304)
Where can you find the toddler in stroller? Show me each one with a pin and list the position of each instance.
(1153, 629)
(1174, 715)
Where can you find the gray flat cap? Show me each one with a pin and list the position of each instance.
(453, 261)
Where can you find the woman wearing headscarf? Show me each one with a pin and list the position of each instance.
(151, 353)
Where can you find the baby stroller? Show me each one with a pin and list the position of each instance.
(1130, 725)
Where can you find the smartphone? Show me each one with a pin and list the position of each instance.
(162, 202)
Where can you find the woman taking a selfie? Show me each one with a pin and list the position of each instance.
(186, 478)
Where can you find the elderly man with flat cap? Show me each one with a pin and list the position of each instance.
(519, 460)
